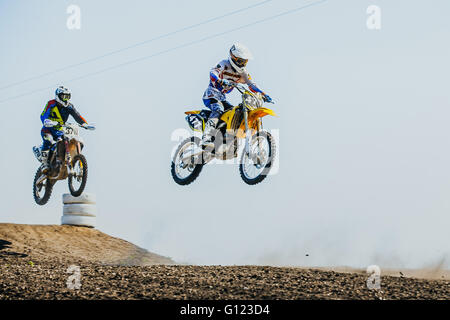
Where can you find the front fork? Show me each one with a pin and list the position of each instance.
(247, 133)
(248, 137)
(68, 158)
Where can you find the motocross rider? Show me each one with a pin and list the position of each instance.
(222, 77)
(55, 114)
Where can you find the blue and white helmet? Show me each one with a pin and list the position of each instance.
(62, 95)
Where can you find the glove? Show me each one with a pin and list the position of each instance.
(49, 123)
(225, 83)
(267, 98)
(88, 127)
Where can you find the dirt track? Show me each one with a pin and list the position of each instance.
(29, 272)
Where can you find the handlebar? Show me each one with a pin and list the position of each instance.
(241, 89)
(238, 86)
(87, 127)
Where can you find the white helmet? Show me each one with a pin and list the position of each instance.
(62, 95)
(239, 56)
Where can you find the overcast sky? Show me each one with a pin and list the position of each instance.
(364, 157)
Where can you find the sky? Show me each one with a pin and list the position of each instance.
(363, 176)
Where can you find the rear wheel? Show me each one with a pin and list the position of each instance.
(77, 181)
(255, 167)
(42, 188)
(185, 173)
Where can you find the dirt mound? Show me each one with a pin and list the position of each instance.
(68, 244)
(35, 263)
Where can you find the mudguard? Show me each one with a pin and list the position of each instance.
(259, 113)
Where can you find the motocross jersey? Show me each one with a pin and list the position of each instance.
(56, 112)
(224, 70)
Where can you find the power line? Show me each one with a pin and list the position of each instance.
(134, 45)
(171, 49)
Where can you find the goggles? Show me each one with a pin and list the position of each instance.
(64, 96)
(239, 61)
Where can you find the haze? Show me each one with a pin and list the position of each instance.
(364, 154)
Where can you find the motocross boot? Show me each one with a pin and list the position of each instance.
(209, 133)
(44, 160)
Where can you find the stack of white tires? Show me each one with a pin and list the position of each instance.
(79, 211)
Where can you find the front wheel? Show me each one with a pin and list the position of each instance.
(185, 173)
(77, 180)
(42, 188)
(254, 167)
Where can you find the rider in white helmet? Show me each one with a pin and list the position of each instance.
(55, 114)
(221, 77)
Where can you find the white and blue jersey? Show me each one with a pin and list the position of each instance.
(214, 97)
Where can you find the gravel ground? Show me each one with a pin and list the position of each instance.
(27, 280)
(34, 262)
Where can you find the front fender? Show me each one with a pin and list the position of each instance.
(259, 113)
(253, 122)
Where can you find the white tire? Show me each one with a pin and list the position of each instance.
(84, 198)
(80, 209)
(83, 221)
